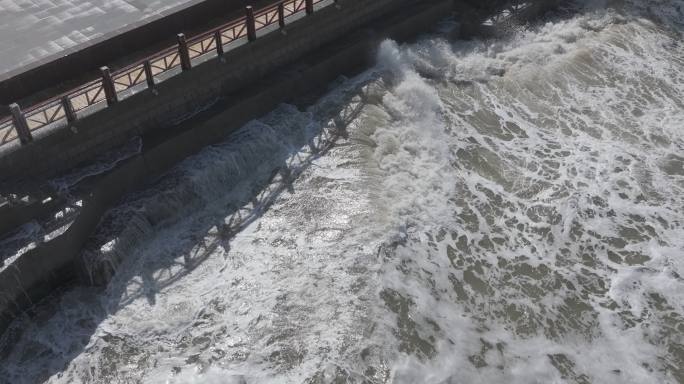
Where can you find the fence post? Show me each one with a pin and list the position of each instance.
(281, 14)
(68, 109)
(219, 43)
(251, 25)
(108, 86)
(309, 7)
(183, 52)
(20, 124)
(149, 76)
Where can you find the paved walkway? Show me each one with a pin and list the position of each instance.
(31, 30)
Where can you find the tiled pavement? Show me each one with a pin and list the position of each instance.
(31, 30)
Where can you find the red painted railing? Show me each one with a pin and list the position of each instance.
(65, 107)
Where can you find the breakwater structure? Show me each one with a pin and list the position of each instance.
(220, 79)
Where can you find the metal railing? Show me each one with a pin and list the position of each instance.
(111, 87)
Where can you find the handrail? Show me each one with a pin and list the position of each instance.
(65, 105)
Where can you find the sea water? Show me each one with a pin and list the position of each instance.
(502, 211)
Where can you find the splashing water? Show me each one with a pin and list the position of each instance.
(500, 211)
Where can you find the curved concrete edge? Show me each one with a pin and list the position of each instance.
(36, 274)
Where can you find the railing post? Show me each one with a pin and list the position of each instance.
(309, 7)
(20, 124)
(149, 76)
(219, 43)
(251, 25)
(108, 86)
(68, 109)
(183, 52)
(281, 14)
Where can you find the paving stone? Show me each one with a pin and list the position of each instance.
(30, 30)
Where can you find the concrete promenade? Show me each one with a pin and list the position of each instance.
(33, 30)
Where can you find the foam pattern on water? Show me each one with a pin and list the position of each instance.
(248, 258)
(500, 211)
(558, 255)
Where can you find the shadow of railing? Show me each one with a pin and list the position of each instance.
(134, 282)
(228, 223)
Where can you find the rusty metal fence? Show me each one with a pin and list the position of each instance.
(111, 87)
